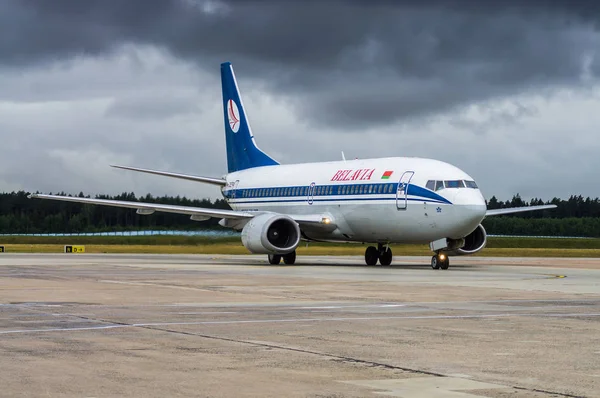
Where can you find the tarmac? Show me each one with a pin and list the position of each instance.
(99, 325)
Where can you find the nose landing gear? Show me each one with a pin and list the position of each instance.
(440, 260)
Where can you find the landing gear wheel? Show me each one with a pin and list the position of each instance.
(435, 262)
(290, 258)
(385, 256)
(371, 255)
(444, 264)
(274, 259)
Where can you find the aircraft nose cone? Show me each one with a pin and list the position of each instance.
(470, 206)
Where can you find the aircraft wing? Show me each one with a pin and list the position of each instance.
(197, 211)
(323, 221)
(511, 210)
(207, 180)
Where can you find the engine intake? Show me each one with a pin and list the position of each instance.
(271, 234)
(470, 244)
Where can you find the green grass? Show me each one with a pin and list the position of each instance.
(117, 240)
(502, 247)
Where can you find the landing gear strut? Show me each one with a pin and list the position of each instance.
(289, 259)
(382, 253)
(440, 260)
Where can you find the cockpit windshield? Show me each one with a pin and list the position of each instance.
(436, 185)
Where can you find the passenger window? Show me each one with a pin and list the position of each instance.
(430, 185)
(370, 188)
(439, 185)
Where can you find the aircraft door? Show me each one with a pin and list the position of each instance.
(234, 189)
(402, 191)
(311, 193)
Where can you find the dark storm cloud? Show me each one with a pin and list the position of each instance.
(341, 63)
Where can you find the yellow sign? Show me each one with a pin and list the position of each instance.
(74, 249)
(2, 249)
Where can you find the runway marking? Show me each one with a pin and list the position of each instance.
(590, 302)
(155, 285)
(330, 307)
(298, 320)
(430, 386)
(206, 313)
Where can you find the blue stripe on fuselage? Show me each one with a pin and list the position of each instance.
(340, 192)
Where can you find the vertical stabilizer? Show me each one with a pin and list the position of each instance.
(242, 152)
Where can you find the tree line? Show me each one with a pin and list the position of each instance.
(575, 216)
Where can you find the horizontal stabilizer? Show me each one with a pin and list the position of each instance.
(207, 180)
(511, 210)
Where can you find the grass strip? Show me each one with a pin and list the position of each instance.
(313, 249)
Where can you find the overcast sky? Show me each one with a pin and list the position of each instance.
(506, 91)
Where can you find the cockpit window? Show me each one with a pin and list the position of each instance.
(454, 184)
(437, 185)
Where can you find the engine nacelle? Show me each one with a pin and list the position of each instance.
(271, 234)
(470, 244)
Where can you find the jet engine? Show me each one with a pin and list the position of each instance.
(470, 244)
(271, 234)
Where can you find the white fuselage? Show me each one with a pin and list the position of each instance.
(388, 200)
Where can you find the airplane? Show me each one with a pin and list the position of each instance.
(381, 201)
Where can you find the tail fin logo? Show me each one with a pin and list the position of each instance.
(233, 114)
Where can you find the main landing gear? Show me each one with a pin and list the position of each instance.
(288, 259)
(382, 253)
(440, 260)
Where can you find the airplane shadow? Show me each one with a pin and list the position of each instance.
(408, 266)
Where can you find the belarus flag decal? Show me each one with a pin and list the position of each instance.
(387, 175)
